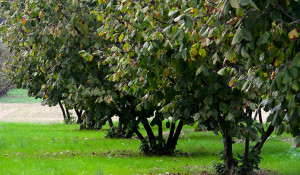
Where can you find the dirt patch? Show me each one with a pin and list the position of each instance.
(31, 113)
(36, 113)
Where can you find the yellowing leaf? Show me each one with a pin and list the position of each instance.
(202, 52)
(166, 72)
(194, 50)
(100, 18)
(277, 61)
(192, 11)
(23, 21)
(127, 47)
(41, 14)
(121, 37)
(101, 34)
(56, 8)
(293, 34)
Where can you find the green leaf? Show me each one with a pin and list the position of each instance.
(188, 21)
(127, 47)
(244, 54)
(45, 39)
(180, 17)
(280, 129)
(244, 2)
(179, 35)
(273, 86)
(286, 79)
(294, 72)
(246, 35)
(246, 86)
(237, 37)
(223, 71)
(215, 58)
(252, 106)
(168, 29)
(263, 39)
(295, 85)
(235, 3)
(253, 5)
(230, 116)
(249, 63)
(203, 70)
(223, 107)
(297, 60)
(194, 36)
(173, 12)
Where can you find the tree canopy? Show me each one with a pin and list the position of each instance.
(211, 62)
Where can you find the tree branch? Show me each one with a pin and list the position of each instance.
(284, 12)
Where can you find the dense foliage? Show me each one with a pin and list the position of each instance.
(5, 60)
(211, 62)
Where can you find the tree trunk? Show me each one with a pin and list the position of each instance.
(227, 140)
(63, 111)
(171, 134)
(246, 155)
(177, 134)
(123, 129)
(79, 114)
(267, 134)
(111, 124)
(120, 127)
(160, 133)
(138, 133)
(68, 115)
(260, 116)
(149, 132)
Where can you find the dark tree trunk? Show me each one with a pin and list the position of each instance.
(260, 116)
(149, 132)
(171, 135)
(246, 155)
(267, 134)
(111, 124)
(68, 115)
(63, 111)
(140, 136)
(177, 134)
(160, 134)
(120, 127)
(227, 140)
(123, 129)
(79, 114)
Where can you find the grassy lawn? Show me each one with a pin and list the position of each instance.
(18, 96)
(63, 149)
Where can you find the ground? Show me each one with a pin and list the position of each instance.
(30, 112)
(35, 148)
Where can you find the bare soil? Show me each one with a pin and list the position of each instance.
(36, 113)
(31, 113)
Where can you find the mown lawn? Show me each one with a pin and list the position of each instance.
(18, 96)
(63, 149)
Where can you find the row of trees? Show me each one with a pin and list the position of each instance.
(210, 62)
(5, 84)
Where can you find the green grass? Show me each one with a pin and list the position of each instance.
(63, 149)
(18, 96)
